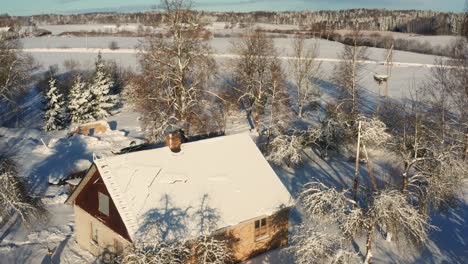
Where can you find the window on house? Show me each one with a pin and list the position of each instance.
(103, 203)
(261, 229)
(94, 233)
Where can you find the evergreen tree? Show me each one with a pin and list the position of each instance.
(53, 117)
(79, 104)
(101, 99)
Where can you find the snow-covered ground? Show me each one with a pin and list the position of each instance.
(413, 68)
(48, 157)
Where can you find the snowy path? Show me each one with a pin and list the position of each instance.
(222, 56)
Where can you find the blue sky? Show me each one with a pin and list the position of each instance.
(28, 7)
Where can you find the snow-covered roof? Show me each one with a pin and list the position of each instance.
(73, 182)
(226, 176)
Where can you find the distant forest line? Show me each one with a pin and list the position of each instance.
(406, 21)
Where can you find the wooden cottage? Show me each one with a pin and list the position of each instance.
(224, 184)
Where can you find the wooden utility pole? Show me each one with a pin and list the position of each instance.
(371, 171)
(389, 63)
(356, 172)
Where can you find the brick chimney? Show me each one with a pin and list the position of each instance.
(174, 141)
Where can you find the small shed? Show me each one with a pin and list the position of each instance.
(91, 129)
(72, 183)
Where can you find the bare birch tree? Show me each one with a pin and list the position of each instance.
(253, 72)
(15, 70)
(305, 71)
(348, 74)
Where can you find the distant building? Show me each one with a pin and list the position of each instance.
(176, 190)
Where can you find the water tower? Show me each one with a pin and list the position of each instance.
(380, 78)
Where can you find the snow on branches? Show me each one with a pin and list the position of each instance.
(310, 246)
(175, 87)
(319, 200)
(176, 253)
(391, 212)
(101, 99)
(387, 210)
(54, 116)
(79, 105)
(14, 197)
(285, 148)
(373, 131)
(208, 250)
(204, 250)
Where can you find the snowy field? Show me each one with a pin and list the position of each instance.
(48, 157)
(403, 75)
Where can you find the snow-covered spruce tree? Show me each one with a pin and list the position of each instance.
(14, 197)
(101, 99)
(79, 105)
(54, 113)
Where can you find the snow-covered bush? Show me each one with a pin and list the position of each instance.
(204, 250)
(174, 253)
(310, 246)
(209, 250)
(373, 131)
(285, 148)
(54, 114)
(318, 200)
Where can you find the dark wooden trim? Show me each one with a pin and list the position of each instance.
(88, 200)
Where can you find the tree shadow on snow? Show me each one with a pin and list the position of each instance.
(333, 172)
(451, 241)
(67, 151)
(59, 250)
(168, 221)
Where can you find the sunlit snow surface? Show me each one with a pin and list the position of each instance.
(48, 157)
